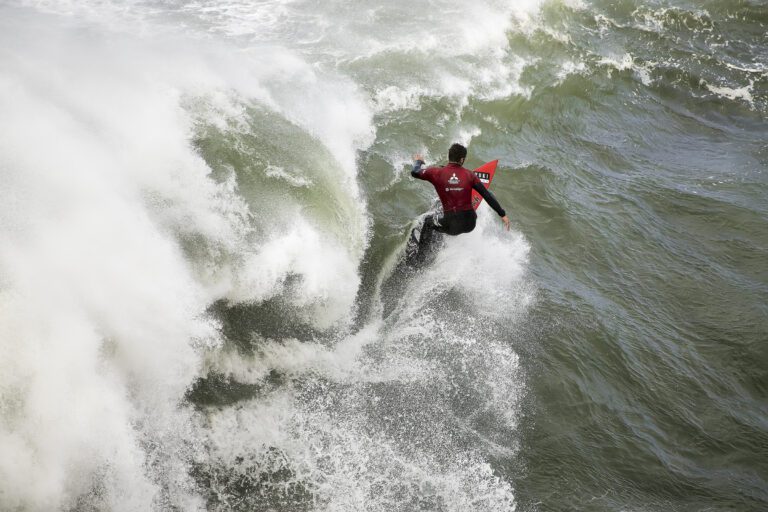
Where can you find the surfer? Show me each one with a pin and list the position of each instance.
(454, 185)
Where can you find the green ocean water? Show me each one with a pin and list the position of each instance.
(608, 354)
(644, 198)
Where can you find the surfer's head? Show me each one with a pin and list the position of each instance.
(457, 154)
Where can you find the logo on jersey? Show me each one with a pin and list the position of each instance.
(484, 177)
(453, 180)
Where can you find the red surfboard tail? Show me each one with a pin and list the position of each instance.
(485, 172)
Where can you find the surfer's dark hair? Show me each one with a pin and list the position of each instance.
(456, 153)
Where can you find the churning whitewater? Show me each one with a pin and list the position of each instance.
(180, 216)
(203, 210)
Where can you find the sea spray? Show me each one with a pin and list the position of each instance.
(103, 314)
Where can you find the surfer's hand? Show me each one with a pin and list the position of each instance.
(505, 220)
(417, 157)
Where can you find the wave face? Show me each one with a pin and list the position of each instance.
(202, 205)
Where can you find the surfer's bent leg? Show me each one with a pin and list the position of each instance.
(428, 228)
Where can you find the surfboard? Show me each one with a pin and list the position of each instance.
(485, 172)
(416, 251)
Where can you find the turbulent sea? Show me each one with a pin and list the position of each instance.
(202, 209)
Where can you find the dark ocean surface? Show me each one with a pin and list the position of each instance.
(202, 209)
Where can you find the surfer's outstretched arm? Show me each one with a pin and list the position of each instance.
(489, 198)
(492, 202)
(417, 169)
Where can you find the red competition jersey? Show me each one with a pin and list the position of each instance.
(453, 184)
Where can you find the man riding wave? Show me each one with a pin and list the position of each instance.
(454, 185)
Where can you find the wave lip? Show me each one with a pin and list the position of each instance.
(116, 237)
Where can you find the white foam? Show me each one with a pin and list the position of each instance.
(327, 282)
(275, 171)
(101, 314)
(90, 338)
(733, 93)
(467, 59)
(627, 61)
(103, 323)
(659, 20)
(393, 97)
(759, 68)
(341, 430)
(464, 135)
(620, 63)
(350, 461)
(569, 68)
(500, 289)
(576, 5)
(342, 362)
